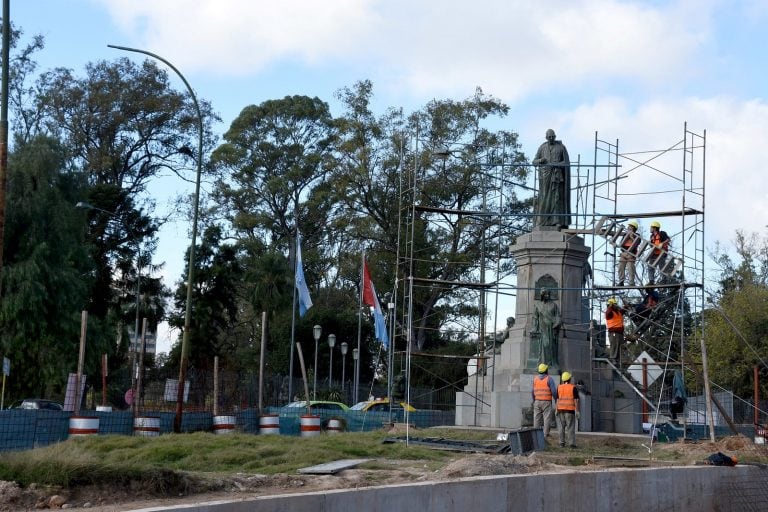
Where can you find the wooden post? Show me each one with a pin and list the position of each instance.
(755, 378)
(138, 401)
(215, 385)
(80, 361)
(104, 371)
(645, 389)
(707, 390)
(303, 375)
(262, 359)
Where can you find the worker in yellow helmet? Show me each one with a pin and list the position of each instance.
(660, 241)
(629, 245)
(614, 321)
(567, 410)
(543, 392)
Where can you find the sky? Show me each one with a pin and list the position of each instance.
(631, 71)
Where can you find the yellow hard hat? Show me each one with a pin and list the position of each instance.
(565, 377)
(612, 301)
(655, 224)
(634, 224)
(543, 368)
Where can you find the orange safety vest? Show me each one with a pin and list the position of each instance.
(541, 389)
(658, 243)
(616, 322)
(565, 400)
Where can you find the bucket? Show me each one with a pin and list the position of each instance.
(310, 425)
(80, 426)
(269, 424)
(223, 424)
(103, 408)
(334, 426)
(148, 426)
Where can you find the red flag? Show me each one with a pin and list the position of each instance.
(369, 297)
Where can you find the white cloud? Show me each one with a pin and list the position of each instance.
(736, 192)
(241, 37)
(511, 48)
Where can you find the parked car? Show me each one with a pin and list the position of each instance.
(325, 409)
(381, 405)
(37, 403)
(316, 406)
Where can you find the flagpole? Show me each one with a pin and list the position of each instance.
(293, 324)
(359, 330)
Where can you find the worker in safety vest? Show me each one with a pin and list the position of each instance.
(660, 241)
(643, 309)
(614, 321)
(629, 246)
(544, 391)
(567, 410)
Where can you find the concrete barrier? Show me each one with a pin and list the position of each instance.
(703, 488)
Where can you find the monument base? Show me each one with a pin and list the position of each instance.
(502, 397)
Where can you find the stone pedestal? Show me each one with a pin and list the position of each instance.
(556, 261)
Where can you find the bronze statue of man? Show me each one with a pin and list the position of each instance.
(546, 325)
(553, 204)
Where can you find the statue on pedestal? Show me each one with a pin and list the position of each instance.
(546, 329)
(553, 203)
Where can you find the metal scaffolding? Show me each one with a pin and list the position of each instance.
(665, 185)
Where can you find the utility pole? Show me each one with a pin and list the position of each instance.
(4, 121)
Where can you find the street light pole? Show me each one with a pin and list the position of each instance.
(316, 332)
(331, 344)
(191, 266)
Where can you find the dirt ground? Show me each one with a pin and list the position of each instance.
(382, 472)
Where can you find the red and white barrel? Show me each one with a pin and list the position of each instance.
(223, 424)
(309, 425)
(81, 426)
(760, 434)
(269, 424)
(334, 426)
(146, 426)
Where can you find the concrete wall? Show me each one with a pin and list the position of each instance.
(699, 488)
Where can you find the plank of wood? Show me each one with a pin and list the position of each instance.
(330, 468)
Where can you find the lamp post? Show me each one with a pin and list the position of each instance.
(390, 358)
(343, 347)
(191, 265)
(316, 332)
(356, 357)
(331, 344)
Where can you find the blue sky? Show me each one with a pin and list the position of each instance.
(629, 70)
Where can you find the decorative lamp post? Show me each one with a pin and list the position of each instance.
(316, 332)
(184, 360)
(343, 347)
(356, 357)
(331, 344)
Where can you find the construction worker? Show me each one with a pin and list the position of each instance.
(660, 242)
(543, 392)
(567, 410)
(629, 246)
(643, 309)
(614, 321)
